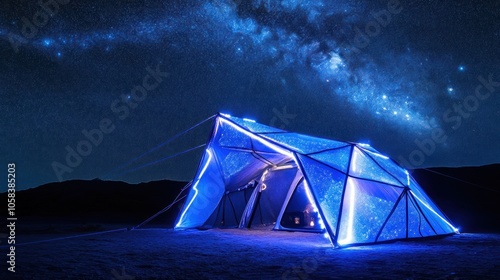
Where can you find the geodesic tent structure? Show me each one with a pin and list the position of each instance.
(252, 175)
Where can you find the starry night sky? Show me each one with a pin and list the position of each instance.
(392, 75)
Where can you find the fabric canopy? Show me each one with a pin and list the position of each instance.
(253, 175)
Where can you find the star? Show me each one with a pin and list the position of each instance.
(47, 42)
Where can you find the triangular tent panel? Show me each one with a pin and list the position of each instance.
(395, 228)
(337, 158)
(229, 136)
(363, 166)
(417, 222)
(253, 126)
(303, 144)
(254, 175)
(366, 206)
(398, 173)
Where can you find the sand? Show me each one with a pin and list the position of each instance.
(249, 254)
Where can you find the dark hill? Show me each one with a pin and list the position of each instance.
(97, 201)
(472, 207)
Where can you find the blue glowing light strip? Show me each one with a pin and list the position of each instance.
(262, 141)
(407, 177)
(195, 185)
(380, 155)
(350, 221)
(352, 196)
(373, 153)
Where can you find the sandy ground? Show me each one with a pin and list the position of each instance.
(250, 254)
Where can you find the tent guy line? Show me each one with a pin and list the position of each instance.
(463, 181)
(162, 144)
(160, 160)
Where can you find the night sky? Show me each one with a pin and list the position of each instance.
(418, 80)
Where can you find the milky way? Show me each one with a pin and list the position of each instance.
(382, 72)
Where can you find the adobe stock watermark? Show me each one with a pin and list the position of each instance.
(121, 109)
(47, 9)
(302, 271)
(453, 116)
(373, 28)
(281, 118)
(237, 3)
(121, 275)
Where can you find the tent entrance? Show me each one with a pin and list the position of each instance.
(300, 212)
(267, 199)
(279, 197)
(259, 202)
(231, 207)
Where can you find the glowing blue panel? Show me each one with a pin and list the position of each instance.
(417, 225)
(205, 194)
(303, 143)
(254, 126)
(326, 185)
(275, 159)
(395, 228)
(338, 158)
(437, 219)
(263, 147)
(233, 162)
(230, 137)
(238, 168)
(390, 166)
(363, 166)
(367, 147)
(366, 206)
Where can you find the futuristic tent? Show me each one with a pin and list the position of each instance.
(253, 175)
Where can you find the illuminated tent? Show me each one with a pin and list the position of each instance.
(252, 175)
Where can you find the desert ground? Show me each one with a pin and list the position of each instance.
(247, 254)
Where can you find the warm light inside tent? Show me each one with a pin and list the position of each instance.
(310, 197)
(314, 207)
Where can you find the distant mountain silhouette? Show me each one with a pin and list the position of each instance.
(98, 201)
(472, 208)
